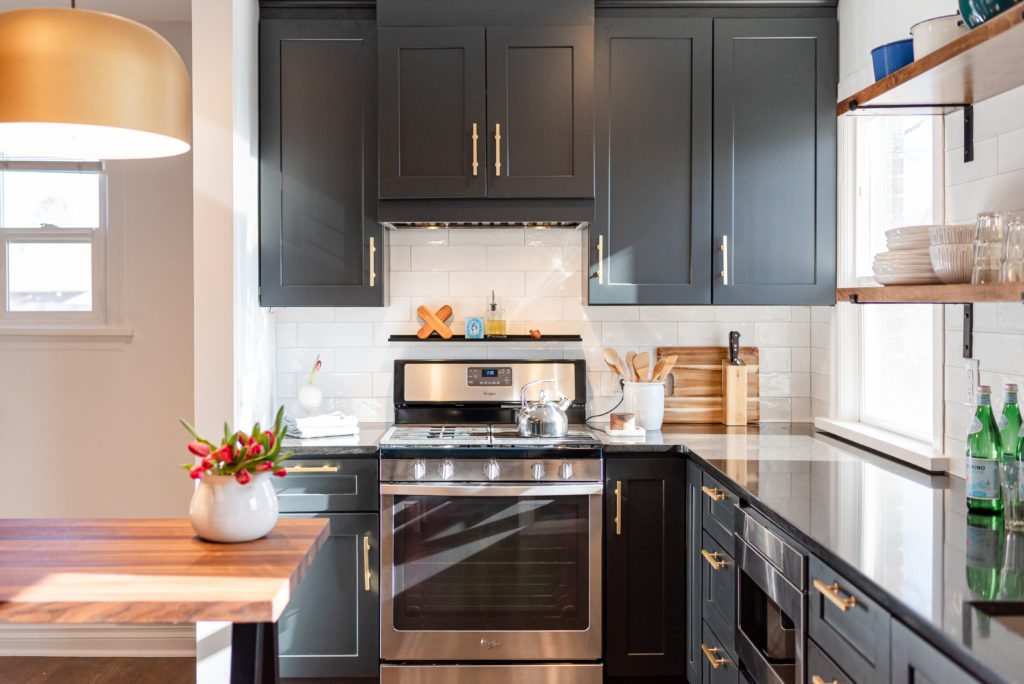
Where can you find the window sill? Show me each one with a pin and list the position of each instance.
(71, 334)
(911, 451)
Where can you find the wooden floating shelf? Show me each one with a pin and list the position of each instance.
(434, 337)
(932, 294)
(976, 66)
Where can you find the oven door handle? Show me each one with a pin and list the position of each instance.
(492, 490)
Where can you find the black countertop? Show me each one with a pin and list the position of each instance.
(366, 443)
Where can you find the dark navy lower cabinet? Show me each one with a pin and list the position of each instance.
(645, 567)
(320, 243)
(694, 569)
(915, 661)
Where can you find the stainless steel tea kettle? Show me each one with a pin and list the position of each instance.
(544, 418)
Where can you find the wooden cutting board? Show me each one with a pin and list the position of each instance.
(697, 393)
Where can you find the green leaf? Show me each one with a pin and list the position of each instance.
(195, 434)
(278, 419)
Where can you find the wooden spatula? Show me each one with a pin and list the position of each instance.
(611, 357)
(662, 368)
(630, 355)
(642, 364)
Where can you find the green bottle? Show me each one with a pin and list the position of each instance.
(984, 451)
(1009, 423)
(1011, 581)
(984, 554)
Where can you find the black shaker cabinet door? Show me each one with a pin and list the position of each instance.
(540, 121)
(694, 571)
(432, 94)
(320, 243)
(645, 571)
(915, 661)
(331, 626)
(650, 242)
(775, 161)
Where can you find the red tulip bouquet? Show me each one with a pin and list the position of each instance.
(239, 454)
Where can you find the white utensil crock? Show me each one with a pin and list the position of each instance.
(647, 401)
(222, 510)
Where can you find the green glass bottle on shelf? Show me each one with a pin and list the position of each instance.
(984, 451)
(1009, 423)
(984, 554)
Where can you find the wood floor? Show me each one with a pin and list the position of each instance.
(28, 670)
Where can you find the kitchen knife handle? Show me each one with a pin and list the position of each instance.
(476, 137)
(734, 347)
(725, 259)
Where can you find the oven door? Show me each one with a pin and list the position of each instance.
(490, 572)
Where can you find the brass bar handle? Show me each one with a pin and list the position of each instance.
(497, 149)
(815, 679)
(831, 592)
(712, 559)
(725, 259)
(618, 507)
(709, 653)
(476, 137)
(366, 563)
(373, 257)
(600, 259)
(312, 469)
(713, 493)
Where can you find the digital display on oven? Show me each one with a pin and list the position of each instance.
(498, 376)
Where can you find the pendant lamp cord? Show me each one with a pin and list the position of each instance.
(72, 4)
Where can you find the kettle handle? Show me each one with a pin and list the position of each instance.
(522, 391)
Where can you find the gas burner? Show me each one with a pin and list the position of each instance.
(442, 436)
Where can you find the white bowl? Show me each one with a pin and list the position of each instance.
(953, 263)
(906, 232)
(962, 234)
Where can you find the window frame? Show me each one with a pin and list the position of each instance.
(846, 405)
(105, 318)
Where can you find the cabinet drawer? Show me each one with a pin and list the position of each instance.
(915, 661)
(857, 638)
(718, 591)
(718, 511)
(821, 666)
(315, 485)
(724, 669)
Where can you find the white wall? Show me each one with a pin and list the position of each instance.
(538, 277)
(91, 428)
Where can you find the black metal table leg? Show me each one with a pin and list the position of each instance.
(254, 653)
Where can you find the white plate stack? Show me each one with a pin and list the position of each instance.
(907, 262)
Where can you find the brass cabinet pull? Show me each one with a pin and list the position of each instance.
(831, 592)
(497, 149)
(712, 559)
(725, 259)
(709, 653)
(815, 679)
(312, 469)
(600, 259)
(373, 271)
(618, 507)
(366, 563)
(713, 493)
(475, 138)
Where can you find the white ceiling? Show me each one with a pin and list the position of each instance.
(139, 10)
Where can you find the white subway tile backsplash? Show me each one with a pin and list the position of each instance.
(415, 285)
(347, 385)
(632, 335)
(503, 283)
(286, 384)
(753, 313)
(715, 334)
(553, 283)
(555, 237)
(304, 314)
(677, 313)
(775, 360)
(446, 258)
(485, 236)
(335, 334)
(437, 238)
(575, 310)
(782, 334)
(301, 360)
(801, 360)
(539, 258)
(287, 335)
(400, 258)
(822, 314)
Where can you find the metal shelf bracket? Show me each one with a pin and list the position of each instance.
(968, 119)
(969, 331)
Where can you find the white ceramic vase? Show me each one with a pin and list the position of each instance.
(222, 510)
(310, 397)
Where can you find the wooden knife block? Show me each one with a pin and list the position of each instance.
(734, 394)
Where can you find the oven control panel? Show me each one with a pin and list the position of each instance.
(489, 376)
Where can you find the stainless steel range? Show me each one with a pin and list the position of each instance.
(490, 541)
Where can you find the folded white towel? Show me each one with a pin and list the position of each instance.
(311, 433)
(335, 424)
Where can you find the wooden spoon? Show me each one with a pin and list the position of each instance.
(611, 357)
(641, 364)
(662, 368)
(630, 355)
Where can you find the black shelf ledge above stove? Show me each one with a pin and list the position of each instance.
(434, 337)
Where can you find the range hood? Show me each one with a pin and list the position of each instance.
(485, 113)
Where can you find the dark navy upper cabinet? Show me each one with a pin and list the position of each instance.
(650, 242)
(520, 127)
(432, 100)
(539, 98)
(775, 161)
(320, 243)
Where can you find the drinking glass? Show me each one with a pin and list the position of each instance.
(988, 248)
(1013, 493)
(1013, 251)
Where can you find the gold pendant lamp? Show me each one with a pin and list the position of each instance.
(77, 84)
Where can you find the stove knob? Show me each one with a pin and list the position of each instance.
(492, 470)
(565, 471)
(446, 469)
(419, 469)
(537, 470)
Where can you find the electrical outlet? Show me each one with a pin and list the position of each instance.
(972, 379)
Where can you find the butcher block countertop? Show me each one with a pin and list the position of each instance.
(148, 571)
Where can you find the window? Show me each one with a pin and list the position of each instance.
(888, 353)
(53, 231)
